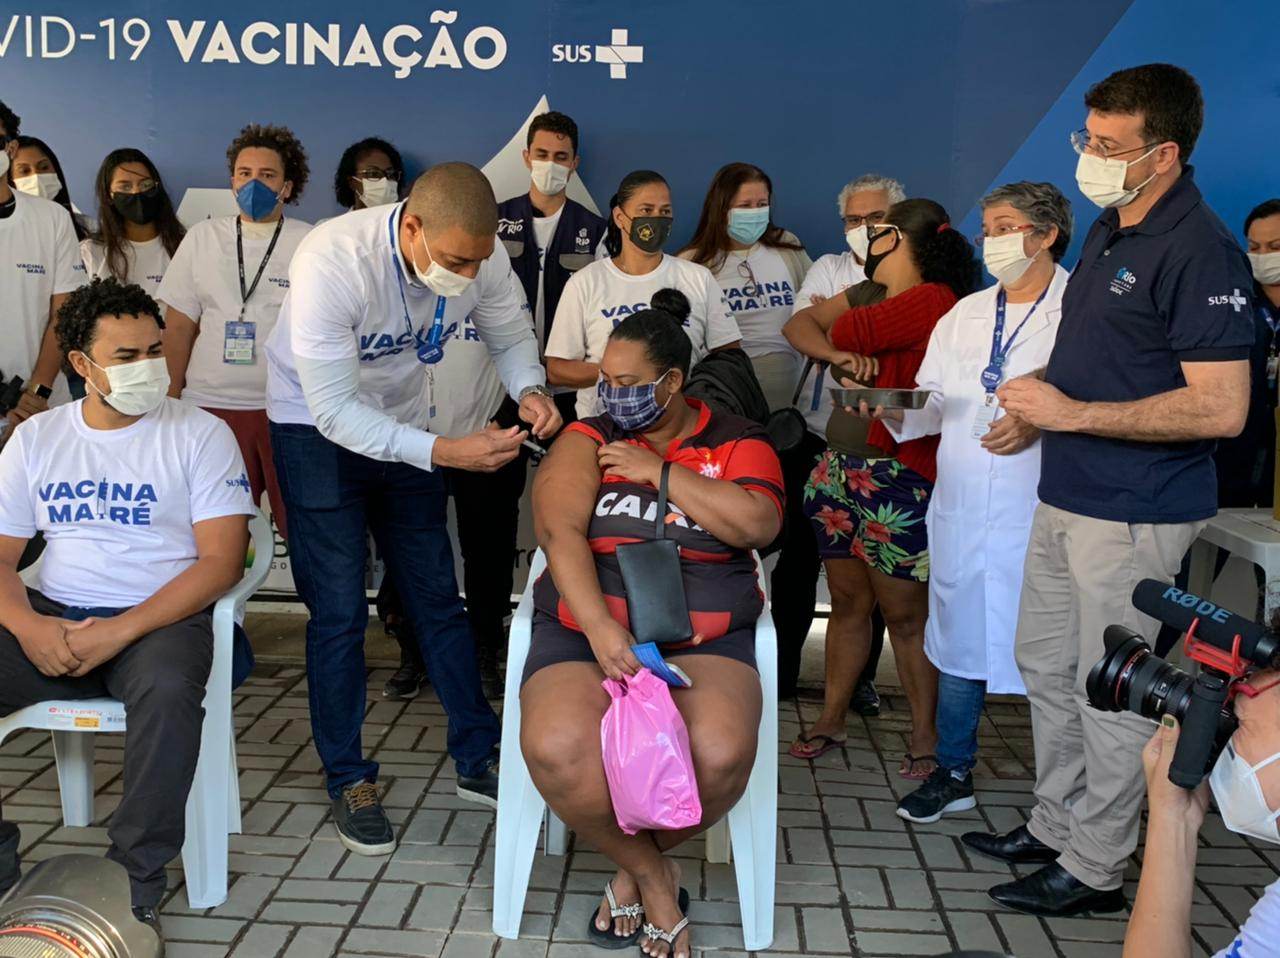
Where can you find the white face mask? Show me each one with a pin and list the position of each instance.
(136, 388)
(1004, 258)
(550, 178)
(1239, 795)
(858, 242)
(1266, 268)
(439, 280)
(1102, 180)
(379, 192)
(4, 161)
(46, 185)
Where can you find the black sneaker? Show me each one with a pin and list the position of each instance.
(483, 788)
(940, 794)
(866, 700)
(361, 823)
(9, 872)
(405, 683)
(148, 915)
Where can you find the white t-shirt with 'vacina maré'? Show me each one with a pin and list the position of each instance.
(145, 262)
(117, 506)
(600, 296)
(203, 281)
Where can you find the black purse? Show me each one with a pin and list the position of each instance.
(656, 605)
(787, 427)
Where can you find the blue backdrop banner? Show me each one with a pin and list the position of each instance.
(950, 97)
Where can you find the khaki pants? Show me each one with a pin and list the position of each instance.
(1079, 578)
(779, 374)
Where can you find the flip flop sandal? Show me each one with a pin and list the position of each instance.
(654, 933)
(606, 938)
(911, 774)
(827, 744)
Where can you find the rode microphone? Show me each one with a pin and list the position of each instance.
(1217, 626)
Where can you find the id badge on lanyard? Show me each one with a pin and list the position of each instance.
(986, 415)
(237, 346)
(241, 336)
(993, 375)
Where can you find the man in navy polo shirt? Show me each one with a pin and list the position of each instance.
(1150, 368)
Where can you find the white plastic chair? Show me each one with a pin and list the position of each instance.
(213, 807)
(752, 822)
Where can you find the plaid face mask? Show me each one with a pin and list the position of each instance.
(633, 408)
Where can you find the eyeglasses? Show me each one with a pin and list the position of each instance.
(852, 222)
(142, 186)
(1082, 143)
(753, 287)
(1004, 230)
(375, 173)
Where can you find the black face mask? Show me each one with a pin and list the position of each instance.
(873, 259)
(650, 233)
(139, 208)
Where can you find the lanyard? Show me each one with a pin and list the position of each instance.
(430, 347)
(994, 373)
(246, 293)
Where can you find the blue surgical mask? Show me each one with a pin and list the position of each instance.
(633, 408)
(747, 226)
(256, 200)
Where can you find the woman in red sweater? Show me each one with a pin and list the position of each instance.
(869, 512)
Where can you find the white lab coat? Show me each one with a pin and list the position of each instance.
(980, 513)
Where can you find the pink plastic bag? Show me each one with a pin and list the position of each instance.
(647, 761)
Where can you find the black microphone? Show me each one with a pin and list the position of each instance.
(1218, 626)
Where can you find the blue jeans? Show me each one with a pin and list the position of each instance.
(331, 497)
(959, 711)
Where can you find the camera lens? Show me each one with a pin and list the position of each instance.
(1132, 678)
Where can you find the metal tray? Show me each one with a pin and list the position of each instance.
(887, 398)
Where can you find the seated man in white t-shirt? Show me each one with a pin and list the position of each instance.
(143, 502)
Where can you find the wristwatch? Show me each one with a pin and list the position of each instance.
(43, 392)
(531, 390)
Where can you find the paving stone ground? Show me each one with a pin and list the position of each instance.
(853, 879)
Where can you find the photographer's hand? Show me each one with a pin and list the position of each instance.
(1161, 919)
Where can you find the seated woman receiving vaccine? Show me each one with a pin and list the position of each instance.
(596, 492)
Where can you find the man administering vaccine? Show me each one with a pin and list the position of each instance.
(376, 297)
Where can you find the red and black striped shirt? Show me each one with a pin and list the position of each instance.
(719, 580)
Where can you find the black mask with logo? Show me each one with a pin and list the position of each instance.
(139, 208)
(873, 259)
(650, 233)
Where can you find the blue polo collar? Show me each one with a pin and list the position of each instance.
(1169, 211)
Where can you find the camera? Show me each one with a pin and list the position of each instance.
(10, 393)
(1130, 677)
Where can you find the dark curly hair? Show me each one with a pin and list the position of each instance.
(9, 120)
(280, 139)
(941, 254)
(78, 318)
(342, 190)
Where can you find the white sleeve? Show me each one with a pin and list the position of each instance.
(568, 339)
(817, 282)
(722, 328)
(323, 311)
(332, 388)
(88, 251)
(602, 249)
(178, 287)
(68, 268)
(1261, 930)
(502, 320)
(217, 480)
(17, 508)
(927, 421)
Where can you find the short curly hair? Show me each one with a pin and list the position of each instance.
(78, 318)
(280, 139)
(342, 190)
(9, 120)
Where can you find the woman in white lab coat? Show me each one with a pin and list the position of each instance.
(979, 518)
